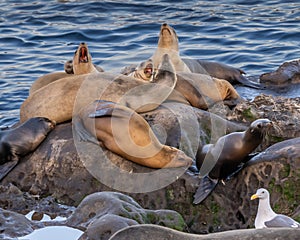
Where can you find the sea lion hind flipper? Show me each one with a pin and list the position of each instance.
(6, 168)
(246, 82)
(206, 186)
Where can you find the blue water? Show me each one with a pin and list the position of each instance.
(37, 37)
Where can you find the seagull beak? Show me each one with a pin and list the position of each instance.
(254, 196)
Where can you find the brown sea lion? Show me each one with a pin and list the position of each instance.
(220, 160)
(20, 141)
(126, 133)
(137, 94)
(168, 43)
(288, 72)
(81, 64)
(198, 90)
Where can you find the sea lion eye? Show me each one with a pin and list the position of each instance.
(259, 125)
(75, 52)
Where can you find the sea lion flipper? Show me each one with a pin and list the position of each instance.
(6, 168)
(246, 82)
(206, 186)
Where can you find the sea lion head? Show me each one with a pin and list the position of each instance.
(82, 61)
(260, 126)
(168, 38)
(42, 124)
(144, 71)
(165, 71)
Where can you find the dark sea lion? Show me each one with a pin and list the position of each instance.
(56, 100)
(288, 72)
(81, 64)
(126, 133)
(220, 160)
(20, 141)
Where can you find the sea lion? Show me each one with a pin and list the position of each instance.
(168, 43)
(198, 90)
(137, 94)
(220, 160)
(81, 64)
(288, 72)
(126, 133)
(20, 141)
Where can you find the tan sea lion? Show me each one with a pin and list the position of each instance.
(81, 64)
(126, 133)
(168, 43)
(137, 94)
(20, 141)
(198, 90)
(220, 160)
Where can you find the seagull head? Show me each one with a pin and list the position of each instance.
(261, 193)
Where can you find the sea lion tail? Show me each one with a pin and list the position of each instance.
(205, 188)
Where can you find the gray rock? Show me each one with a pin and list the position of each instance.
(153, 232)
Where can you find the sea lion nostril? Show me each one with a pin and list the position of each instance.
(82, 43)
(164, 25)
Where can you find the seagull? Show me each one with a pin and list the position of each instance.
(266, 217)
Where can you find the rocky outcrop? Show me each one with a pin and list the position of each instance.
(55, 171)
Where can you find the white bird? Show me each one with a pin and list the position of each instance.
(266, 217)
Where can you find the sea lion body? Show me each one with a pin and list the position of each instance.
(81, 64)
(220, 160)
(23, 139)
(126, 133)
(61, 95)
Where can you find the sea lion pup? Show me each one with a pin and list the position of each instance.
(61, 95)
(288, 72)
(81, 64)
(126, 133)
(221, 160)
(20, 141)
(168, 43)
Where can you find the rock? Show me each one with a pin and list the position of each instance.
(283, 112)
(56, 170)
(14, 225)
(153, 232)
(103, 213)
(288, 72)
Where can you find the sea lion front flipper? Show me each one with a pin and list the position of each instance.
(7, 167)
(206, 186)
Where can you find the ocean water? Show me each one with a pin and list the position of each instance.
(37, 37)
